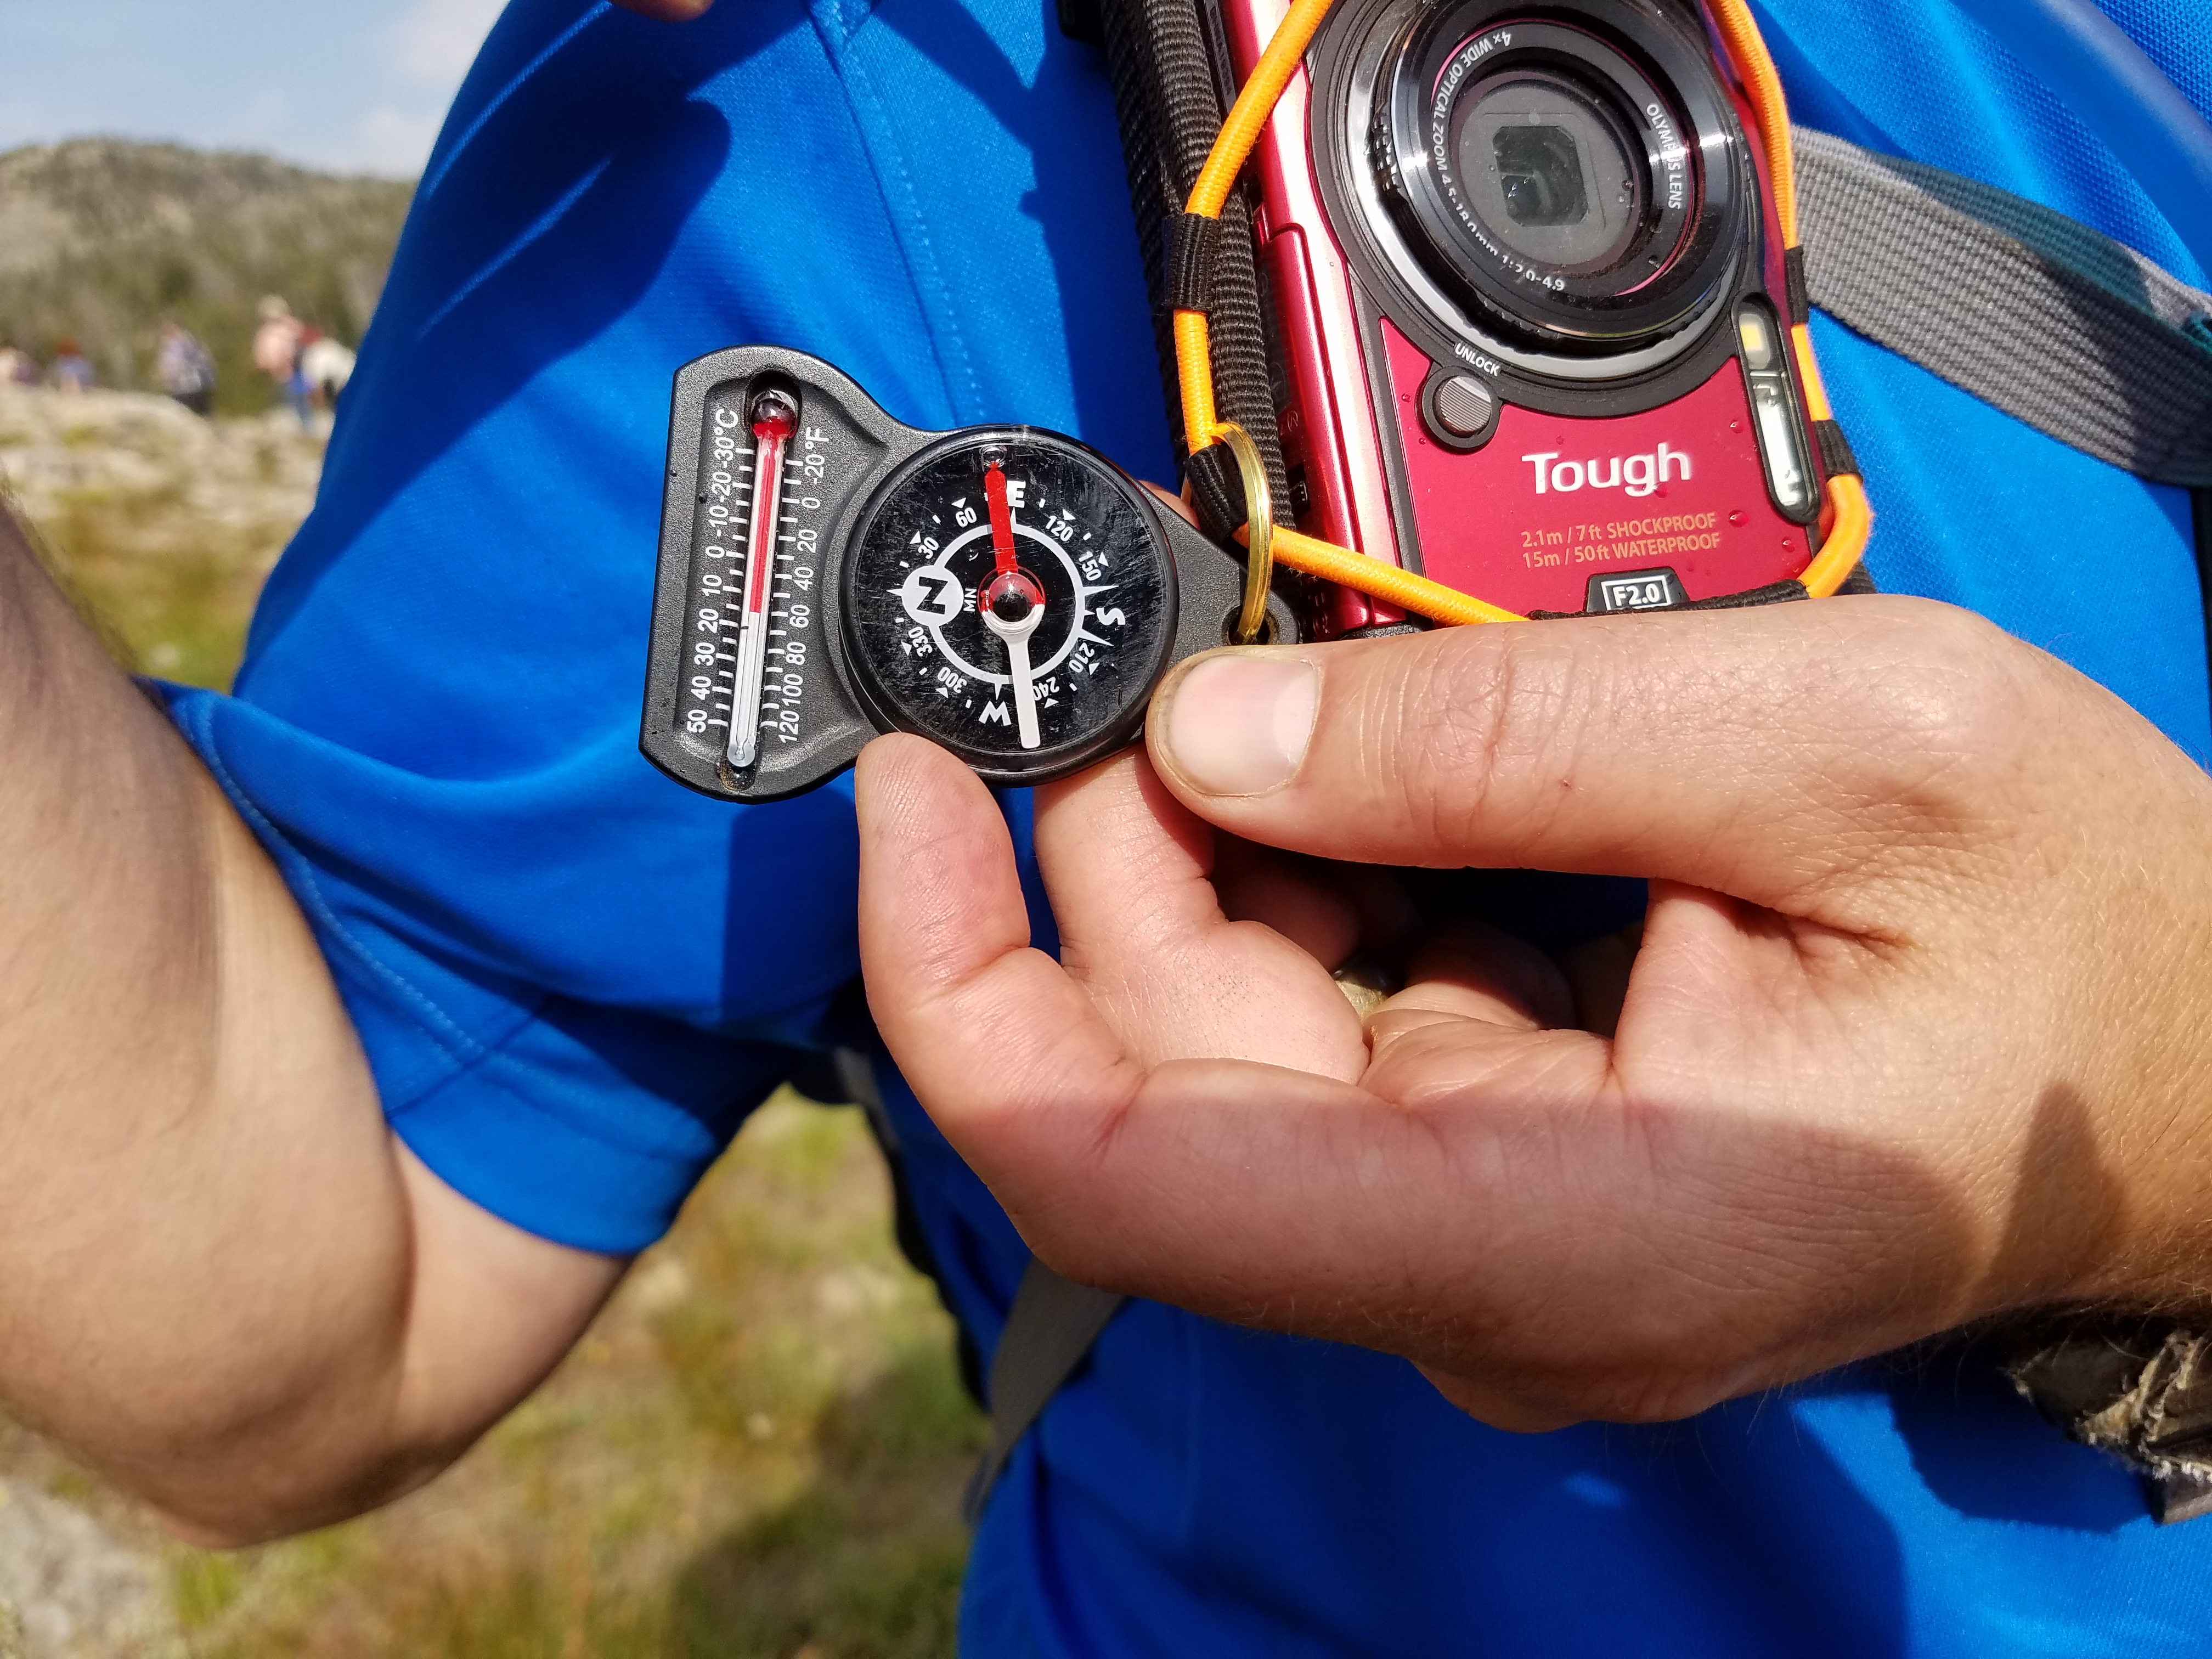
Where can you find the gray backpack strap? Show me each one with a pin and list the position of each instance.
(2061, 327)
(1050, 1329)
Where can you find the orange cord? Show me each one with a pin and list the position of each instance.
(1748, 48)
(1254, 104)
(1848, 519)
(1381, 580)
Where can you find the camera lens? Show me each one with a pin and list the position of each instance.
(1570, 180)
(1540, 170)
(1545, 169)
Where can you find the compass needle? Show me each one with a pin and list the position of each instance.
(1013, 616)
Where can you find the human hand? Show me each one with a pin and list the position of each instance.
(1916, 1033)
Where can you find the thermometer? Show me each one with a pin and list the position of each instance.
(775, 418)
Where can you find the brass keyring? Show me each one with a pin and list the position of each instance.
(1259, 512)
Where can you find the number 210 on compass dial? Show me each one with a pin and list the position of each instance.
(827, 574)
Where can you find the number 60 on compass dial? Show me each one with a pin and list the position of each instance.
(827, 574)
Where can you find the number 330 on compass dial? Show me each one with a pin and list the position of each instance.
(827, 574)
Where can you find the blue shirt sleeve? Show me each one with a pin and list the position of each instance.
(572, 977)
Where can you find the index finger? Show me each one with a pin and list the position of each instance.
(1014, 1062)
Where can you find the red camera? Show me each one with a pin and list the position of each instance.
(1531, 303)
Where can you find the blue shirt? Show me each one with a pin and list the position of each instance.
(573, 978)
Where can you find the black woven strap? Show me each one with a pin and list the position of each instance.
(1836, 458)
(1793, 278)
(1170, 105)
(1192, 243)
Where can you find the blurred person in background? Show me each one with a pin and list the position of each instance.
(72, 370)
(327, 365)
(185, 368)
(17, 367)
(276, 344)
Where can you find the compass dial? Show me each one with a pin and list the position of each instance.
(1011, 595)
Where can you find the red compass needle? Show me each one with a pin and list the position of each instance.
(1009, 590)
(1002, 517)
(1011, 604)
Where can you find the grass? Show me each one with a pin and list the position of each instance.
(162, 527)
(756, 1452)
(757, 1449)
(180, 611)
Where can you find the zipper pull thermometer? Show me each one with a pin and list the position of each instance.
(775, 418)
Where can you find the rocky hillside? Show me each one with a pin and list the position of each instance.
(101, 240)
(161, 523)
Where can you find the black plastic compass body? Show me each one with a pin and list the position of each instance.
(827, 574)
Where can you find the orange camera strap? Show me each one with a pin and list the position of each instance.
(1193, 243)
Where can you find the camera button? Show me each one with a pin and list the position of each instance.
(1463, 407)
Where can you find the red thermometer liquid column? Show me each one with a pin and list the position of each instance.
(775, 417)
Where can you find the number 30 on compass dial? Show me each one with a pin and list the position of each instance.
(827, 574)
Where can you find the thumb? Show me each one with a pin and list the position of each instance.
(1776, 754)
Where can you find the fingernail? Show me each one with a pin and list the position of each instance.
(1239, 724)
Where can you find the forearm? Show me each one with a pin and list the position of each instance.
(217, 1280)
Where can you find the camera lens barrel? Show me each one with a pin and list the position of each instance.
(1570, 178)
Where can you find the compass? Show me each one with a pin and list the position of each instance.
(828, 574)
(1012, 595)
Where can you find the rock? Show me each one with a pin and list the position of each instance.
(243, 476)
(660, 1285)
(71, 1590)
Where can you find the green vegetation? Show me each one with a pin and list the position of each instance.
(758, 1450)
(161, 524)
(183, 616)
(102, 240)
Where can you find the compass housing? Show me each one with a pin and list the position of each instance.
(1086, 538)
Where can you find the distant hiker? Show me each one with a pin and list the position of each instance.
(327, 365)
(277, 353)
(72, 370)
(17, 367)
(187, 372)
